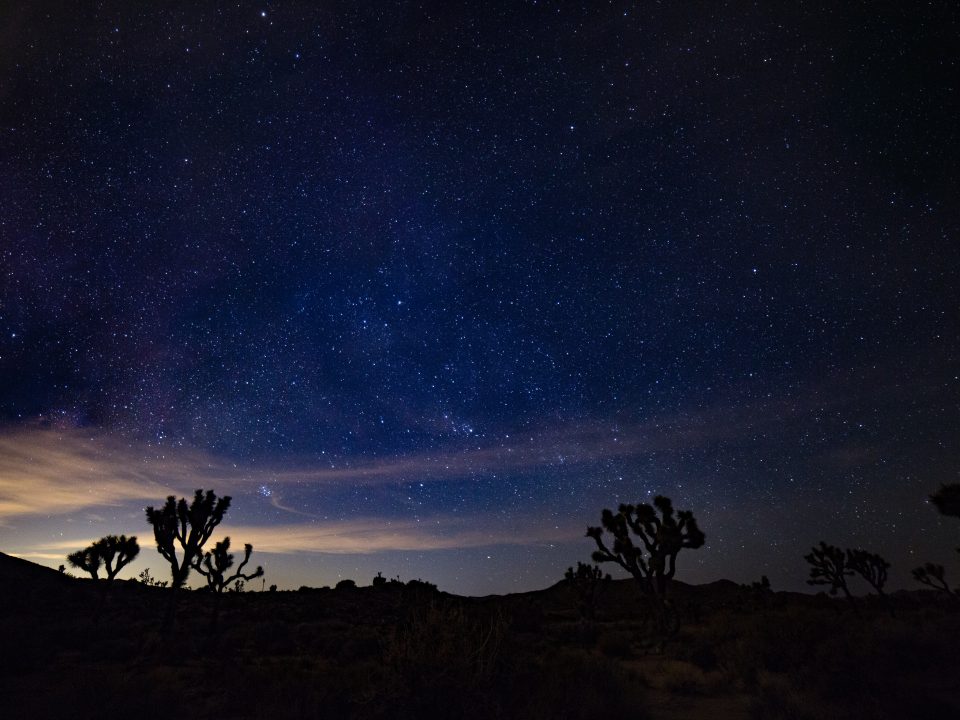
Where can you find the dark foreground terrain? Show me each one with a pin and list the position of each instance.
(407, 651)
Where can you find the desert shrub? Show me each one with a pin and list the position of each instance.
(779, 699)
(346, 584)
(444, 662)
(360, 644)
(574, 685)
(583, 633)
(698, 651)
(614, 644)
(272, 637)
(526, 617)
(683, 678)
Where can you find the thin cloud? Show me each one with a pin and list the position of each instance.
(54, 472)
(360, 536)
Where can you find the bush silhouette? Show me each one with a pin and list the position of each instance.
(345, 584)
(653, 562)
(147, 579)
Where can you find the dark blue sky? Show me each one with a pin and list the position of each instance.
(491, 263)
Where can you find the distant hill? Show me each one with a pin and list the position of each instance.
(17, 571)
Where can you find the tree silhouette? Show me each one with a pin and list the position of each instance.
(189, 527)
(117, 552)
(215, 565)
(653, 563)
(947, 500)
(829, 567)
(870, 566)
(933, 576)
(88, 560)
(586, 581)
(111, 552)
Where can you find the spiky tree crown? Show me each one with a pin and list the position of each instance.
(828, 566)
(585, 573)
(190, 527)
(117, 551)
(661, 539)
(934, 576)
(947, 500)
(111, 552)
(216, 563)
(88, 560)
(870, 566)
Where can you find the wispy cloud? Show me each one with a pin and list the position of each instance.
(61, 471)
(370, 535)
(46, 473)
(359, 536)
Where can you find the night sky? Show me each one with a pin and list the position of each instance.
(425, 286)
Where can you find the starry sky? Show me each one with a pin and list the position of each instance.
(425, 286)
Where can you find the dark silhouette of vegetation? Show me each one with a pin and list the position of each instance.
(189, 527)
(828, 566)
(947, 500)
(111, 552)
(587, 582)
(346, 584)
(763, 585)
(149, 580)
(379, 580)
(117, 552)
(870, 566)
(653, 563)
(216, 563)
(419, 585)
(933, 576)
(87, 560)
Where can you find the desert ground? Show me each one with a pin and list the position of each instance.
(74, 648)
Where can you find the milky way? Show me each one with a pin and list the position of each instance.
(425, 286)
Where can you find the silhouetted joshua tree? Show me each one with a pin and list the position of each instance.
(215, 565)
(933, 576)
(587, 581)
(829, 567)
(870, 566)
(117, 552)
(947, 500)
(112, 553)
(653, 562)
(88, 560)
(189, 527)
